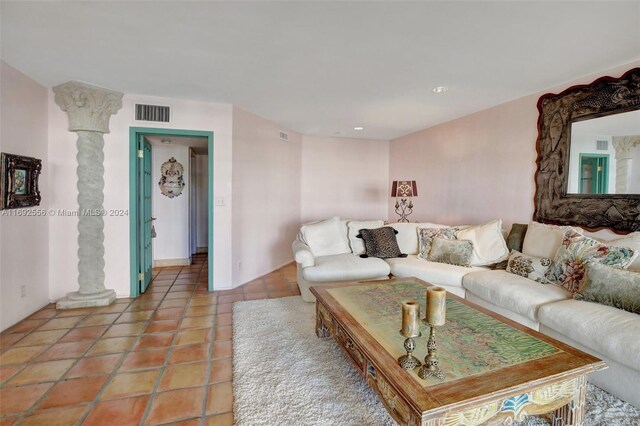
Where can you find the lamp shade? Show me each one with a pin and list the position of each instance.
(404, 188)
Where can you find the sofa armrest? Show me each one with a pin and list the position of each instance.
(302, 254)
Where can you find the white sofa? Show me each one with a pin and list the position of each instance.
(604, 331)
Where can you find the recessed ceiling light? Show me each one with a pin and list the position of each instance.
(166, 141)
(440, 89)
(358, 128)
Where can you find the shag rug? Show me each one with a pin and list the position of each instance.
(284, 375)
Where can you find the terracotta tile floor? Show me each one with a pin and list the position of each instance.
(163, 358)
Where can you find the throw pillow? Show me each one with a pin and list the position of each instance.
(610, 286)
(632, 241)
(407, 236)
(426, 235)
(489, 245)
(326, 237)
(354, 227)
(514, 242)
(530, 267)
(380, 242)
(542, 240)
(576, 250)
(453, 252)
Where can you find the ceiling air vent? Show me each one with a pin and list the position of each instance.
(157, 113)
(284, 136)
(602, 145)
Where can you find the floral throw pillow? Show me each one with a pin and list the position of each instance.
(530, 267)
(426, 236)
(453, 252)
(576, 250)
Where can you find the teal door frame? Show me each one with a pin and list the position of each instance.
(134, 133)
(603, 184)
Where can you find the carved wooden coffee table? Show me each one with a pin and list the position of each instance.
(495, 369)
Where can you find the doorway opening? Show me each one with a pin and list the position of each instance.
(594, 174)
(171, 193)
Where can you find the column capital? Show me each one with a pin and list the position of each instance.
(89, 107)
(624, 144)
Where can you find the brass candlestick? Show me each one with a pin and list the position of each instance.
(408, 361)
(436, 312)
(430, 366)
(410, 329)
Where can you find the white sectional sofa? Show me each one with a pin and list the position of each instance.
(607, 332)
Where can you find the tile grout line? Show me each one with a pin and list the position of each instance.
(269, 286)
(32, 409)
(154, 392)
(207, 389)
(123, 357)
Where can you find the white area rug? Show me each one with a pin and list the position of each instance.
(284, 375)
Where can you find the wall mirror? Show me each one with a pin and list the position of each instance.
(588, 162)
(604, 155)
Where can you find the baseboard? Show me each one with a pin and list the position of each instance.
(159, 263)
(202, 250)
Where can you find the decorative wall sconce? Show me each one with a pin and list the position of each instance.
(171, 178)
(404, 190)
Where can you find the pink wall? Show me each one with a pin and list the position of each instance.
(186, 115)
(344, 177)
(266, 196)
(479, 167)
(24, 249)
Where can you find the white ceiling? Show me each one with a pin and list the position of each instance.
(321, 68)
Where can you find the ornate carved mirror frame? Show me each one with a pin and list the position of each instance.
(605, 96)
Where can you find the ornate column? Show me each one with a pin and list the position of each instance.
(89, 109)
(623, 146)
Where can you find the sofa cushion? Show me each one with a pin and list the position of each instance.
(542, 240)
(426, 235)
(632, 241)
(576, 250)
(530, 267)
(453, 252)
(354, 227)
(513, 292)
(407, 236)
(515, 239)
(432, 272)
(604, 329)
(345, 267)
(380, 242)
(610, 286)
(489, 245)
(326, 237)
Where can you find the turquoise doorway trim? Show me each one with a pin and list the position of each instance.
(134, 187)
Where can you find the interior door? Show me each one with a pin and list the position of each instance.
(594, 172)
(145, 251)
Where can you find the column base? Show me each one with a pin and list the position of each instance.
(75, 300)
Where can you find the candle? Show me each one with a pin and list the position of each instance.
(436, 305)
(410, 319)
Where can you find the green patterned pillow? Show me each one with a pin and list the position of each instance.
(453, 252)
(610, 286)
(576, 250)
(426, 236)
(530, 267)
(515, 239)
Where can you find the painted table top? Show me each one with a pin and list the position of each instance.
(470, 343)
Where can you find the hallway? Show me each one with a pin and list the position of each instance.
(163, 358)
